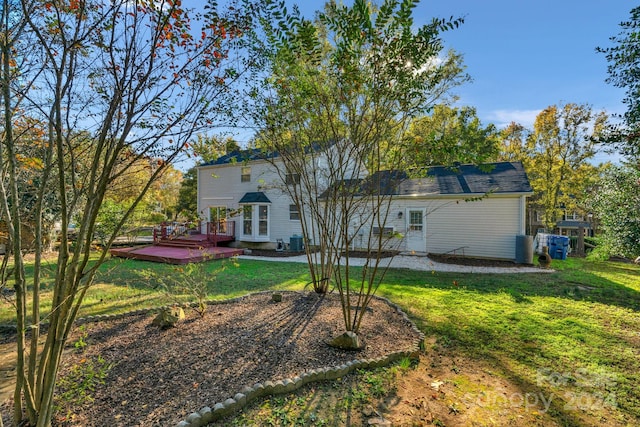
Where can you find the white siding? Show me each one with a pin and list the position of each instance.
(485, 228)
(220, 185)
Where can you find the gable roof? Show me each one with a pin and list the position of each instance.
(240, 156)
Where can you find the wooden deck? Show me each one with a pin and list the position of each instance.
(175, 254)
(185, 248)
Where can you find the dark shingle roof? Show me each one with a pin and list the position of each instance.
(240, 156)
(251, 154)
(504, 177)
(573, 224)
(495, 178)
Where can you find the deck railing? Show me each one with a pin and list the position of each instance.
(221, 230)
(171, 230)
(216, 231)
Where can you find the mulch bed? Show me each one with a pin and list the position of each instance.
(475, 262)
(281, 254)
(160, 376)
(273, 253)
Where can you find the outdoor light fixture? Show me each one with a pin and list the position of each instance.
(400, 215)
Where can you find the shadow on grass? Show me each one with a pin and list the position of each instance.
(250, 276)
(583, 287)
(579, 357)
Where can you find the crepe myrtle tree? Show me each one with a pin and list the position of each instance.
(340, 92)
(111, 84)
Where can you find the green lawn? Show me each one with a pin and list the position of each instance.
(574, 331)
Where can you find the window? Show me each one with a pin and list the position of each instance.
(294, 215)
(247, 220)
(385, 231)
(245, 174)
(539, 217)
(255, 223)
(292, 179)
(415, 220)
(574, 216)
(263, 220)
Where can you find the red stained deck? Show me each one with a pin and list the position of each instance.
(174, 244)
(175, 254)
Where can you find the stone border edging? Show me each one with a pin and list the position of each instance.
(208, 415)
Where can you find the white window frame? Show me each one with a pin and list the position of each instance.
(251, 215)
(414, 225)
(219, 209)
(247, 220)
(294, 212)
(222, 215)
(574, 216)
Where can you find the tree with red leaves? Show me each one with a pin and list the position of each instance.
(112, 83)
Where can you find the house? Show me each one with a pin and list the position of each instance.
(244, 187)
(465, 210)
(570, 223)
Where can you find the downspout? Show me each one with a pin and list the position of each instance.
(523, 215)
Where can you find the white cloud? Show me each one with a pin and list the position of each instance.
(502, 118)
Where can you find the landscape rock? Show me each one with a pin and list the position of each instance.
(380, 422)
(207, 415)
(347, 341)
(169, 317)
(194, 419)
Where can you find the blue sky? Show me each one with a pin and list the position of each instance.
(526, 55)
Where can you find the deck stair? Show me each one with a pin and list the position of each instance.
(182, 244)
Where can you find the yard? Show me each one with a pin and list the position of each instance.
(502, 349)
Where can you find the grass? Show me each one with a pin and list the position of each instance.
(574, 330)
(123, 285)
(570, 333)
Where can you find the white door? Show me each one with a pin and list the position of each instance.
(416, 230)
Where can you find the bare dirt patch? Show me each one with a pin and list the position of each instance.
(441, 388)
(446, 389)
(159, 376)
